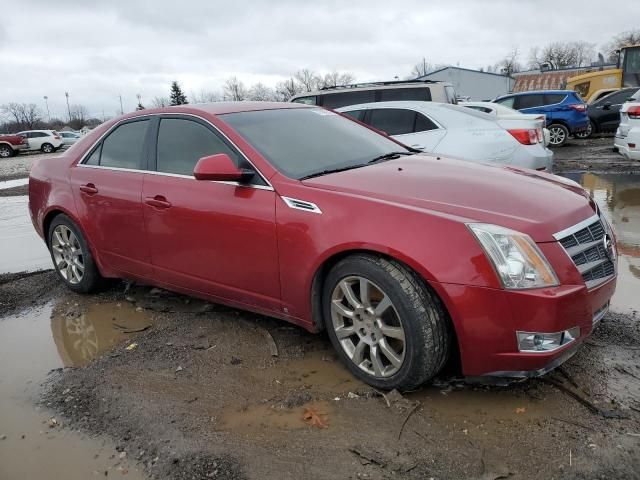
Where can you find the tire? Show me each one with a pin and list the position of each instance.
(559, 134)
(71, 256)
(47, 148)
(6, 151)
(412, 324)
(591, 129)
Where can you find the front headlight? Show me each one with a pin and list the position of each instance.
(516, 258)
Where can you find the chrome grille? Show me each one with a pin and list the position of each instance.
(584, 244)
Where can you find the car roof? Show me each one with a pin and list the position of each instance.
(533, 92)
(220, 108)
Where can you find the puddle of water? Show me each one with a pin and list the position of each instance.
(13, 183)
(619, 198)
(22, 248)
(82, 334)
(28, 350)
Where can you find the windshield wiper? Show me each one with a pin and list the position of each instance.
(333, 170)
(389, 156)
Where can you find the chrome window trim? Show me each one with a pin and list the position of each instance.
(294, 203)
(84, 158)
(178, 175)
(576, 228)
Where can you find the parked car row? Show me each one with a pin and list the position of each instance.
(627, 138)
(405, 258)
(11, 145)
(46, 141)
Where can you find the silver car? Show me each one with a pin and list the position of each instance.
(69, 138)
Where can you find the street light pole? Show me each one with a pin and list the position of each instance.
(46, 102)
(121, 109)
(66, 94)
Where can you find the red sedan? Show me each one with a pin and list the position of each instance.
(299, 213)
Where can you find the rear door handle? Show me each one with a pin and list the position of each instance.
(157, 202)
(89, 189)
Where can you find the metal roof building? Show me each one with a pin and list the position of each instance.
(474, 84)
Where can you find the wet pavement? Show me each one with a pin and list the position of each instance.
(22, 248)
(33, 444)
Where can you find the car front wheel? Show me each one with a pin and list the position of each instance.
(558, 135)
(6, 151)
(388, 328)
(71, 256)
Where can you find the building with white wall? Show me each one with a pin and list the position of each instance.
(474, 84)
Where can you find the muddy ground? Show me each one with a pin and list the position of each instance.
(211, 392)
(593, 155)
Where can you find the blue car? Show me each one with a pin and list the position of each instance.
(565, 110)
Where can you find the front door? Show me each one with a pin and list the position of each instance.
(218, 238)
(107, 189)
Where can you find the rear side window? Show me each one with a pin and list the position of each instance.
(342, 99)
(553, 98)
(124, 146)
(479, 108)
(400, 94)
(181, 143)
(312, 100)
(394, 121)
(357, 114)
(529, 101)
(423, 124)
(507, 102)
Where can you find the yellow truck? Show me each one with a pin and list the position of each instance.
(626, 74)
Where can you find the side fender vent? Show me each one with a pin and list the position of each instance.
(301, 205)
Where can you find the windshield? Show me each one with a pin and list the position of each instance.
(300, 142)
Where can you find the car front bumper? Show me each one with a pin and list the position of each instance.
(486, 321)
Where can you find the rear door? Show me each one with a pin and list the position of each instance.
(217, 238)
(609, 109)
(107, 189)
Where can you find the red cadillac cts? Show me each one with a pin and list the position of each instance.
(299, 213)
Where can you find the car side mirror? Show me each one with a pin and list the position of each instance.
(220, 167)
(606, 106)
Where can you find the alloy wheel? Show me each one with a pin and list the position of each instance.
(67, 254)
(5, 151)
(586, 133)
(367, 326)
(557, 136)
(46, 148)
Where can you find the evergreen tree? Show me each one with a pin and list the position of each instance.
(140, 107)
(177, 96)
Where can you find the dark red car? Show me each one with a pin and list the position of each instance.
(299, 213)
(11, 145)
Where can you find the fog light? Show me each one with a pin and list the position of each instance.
(536, 342)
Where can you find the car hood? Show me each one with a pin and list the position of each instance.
(535, 203)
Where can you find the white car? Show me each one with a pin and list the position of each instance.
(504, 112)
(627, 139)
(451, 130)
(47, 141)
(69, 138)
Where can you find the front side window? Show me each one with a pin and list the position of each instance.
(307, 141)
(181, 143)
(394, 121)
(507, 102)
(124, 146)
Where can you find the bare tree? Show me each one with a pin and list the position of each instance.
(25, 115)
(562, 55)
(206, 96)
(308, 80)
(261, 93)
(160, 102)
(624, 39)
(421, 69)
(286, 89)
(509, 64)
(234, 89)
(78, 116)
(334, 79)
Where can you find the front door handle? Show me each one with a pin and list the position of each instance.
(89, 189)
(157, 202)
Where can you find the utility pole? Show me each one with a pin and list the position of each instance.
(121, 109)
(66, 94)
(46, 102)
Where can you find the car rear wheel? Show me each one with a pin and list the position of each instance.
(47, 148)
(588, 132)
(386, 325)
(6, 151)
(558, 135)
(71, 256)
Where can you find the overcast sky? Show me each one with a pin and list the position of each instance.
(97, 50)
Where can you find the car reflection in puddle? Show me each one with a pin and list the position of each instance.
(83, 333)
(619, 199)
